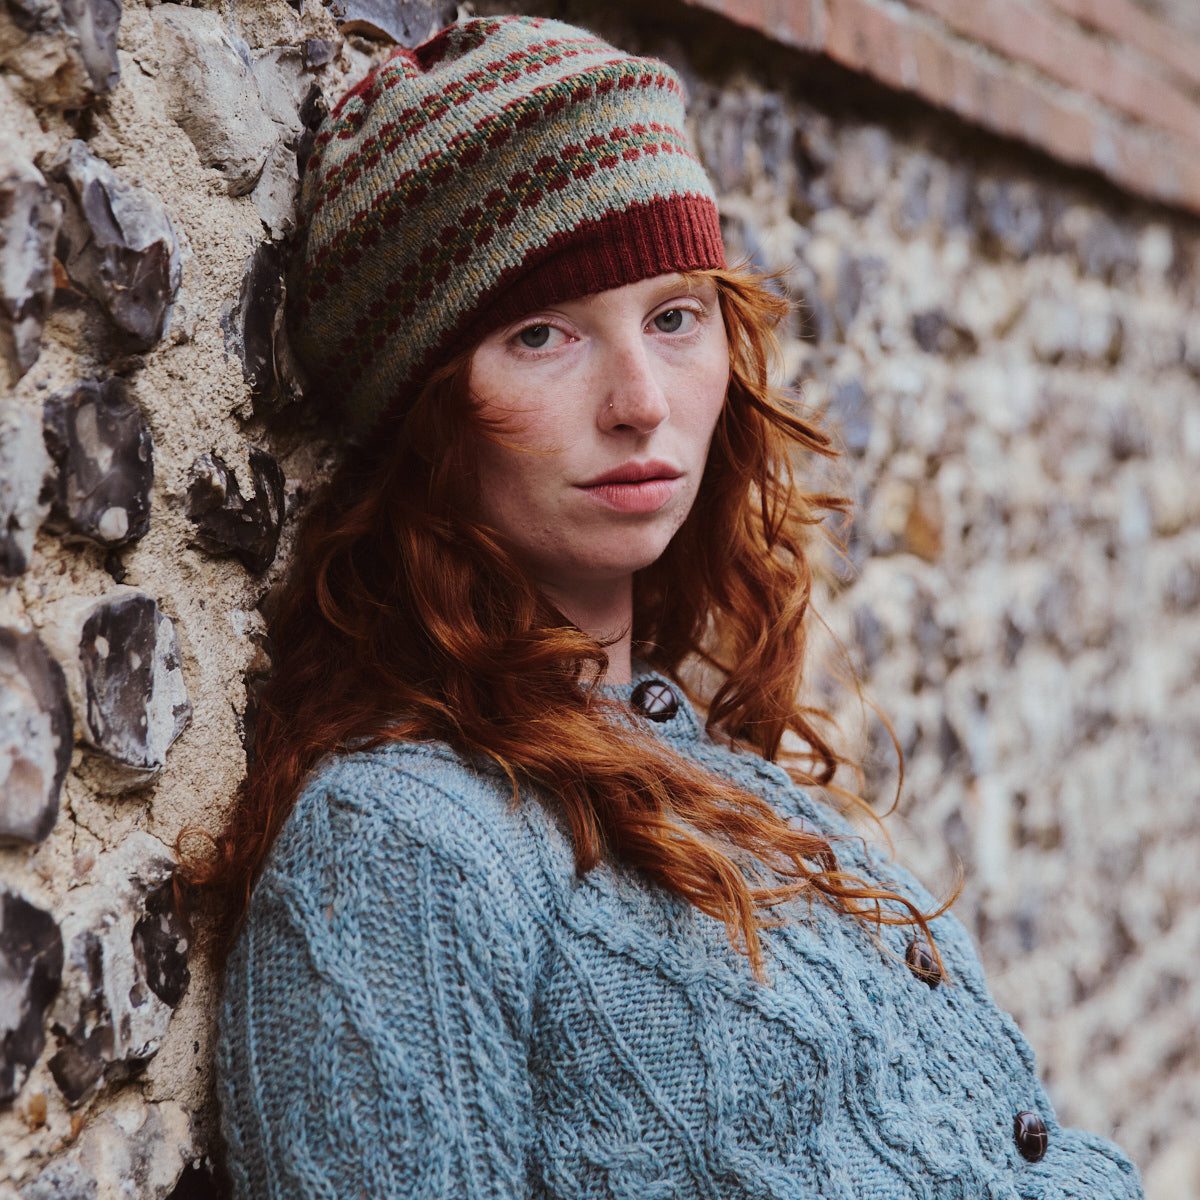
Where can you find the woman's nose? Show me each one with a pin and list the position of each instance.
(633, 396)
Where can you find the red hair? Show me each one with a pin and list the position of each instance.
(406, 618)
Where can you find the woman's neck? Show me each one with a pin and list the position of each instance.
(606, 612)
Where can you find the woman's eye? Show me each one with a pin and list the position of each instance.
(673, 320)
(534, 337)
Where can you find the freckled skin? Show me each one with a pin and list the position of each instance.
(631, 378)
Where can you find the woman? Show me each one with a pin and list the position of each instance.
(523, 923)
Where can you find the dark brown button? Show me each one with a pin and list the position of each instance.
(1029, 1132)
(654, 699)
(922, 963)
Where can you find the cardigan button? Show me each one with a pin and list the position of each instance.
(922, 963)
(654, 699)
(1029, 1132)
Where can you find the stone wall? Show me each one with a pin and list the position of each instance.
(1006, 350)
(148, 158)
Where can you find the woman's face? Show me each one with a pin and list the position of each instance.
(603, 408)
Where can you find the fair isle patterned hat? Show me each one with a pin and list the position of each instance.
(506, 164)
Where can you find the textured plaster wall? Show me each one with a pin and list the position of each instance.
(1010, 359)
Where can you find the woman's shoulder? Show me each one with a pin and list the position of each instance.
(400, 803)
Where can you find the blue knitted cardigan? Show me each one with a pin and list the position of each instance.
(427, 1000)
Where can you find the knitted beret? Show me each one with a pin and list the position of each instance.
(504, 165)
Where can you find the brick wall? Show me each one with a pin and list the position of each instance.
(1100, 84)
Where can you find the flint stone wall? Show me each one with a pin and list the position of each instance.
(1008, 354)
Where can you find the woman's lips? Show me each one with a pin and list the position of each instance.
(634, 487)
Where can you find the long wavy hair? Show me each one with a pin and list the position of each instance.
(407, 618)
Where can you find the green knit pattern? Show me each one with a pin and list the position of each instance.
(452, 170)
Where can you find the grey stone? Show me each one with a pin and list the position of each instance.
(858, 281)
(1191, 347)
(77, 1066)
(850, 414)
(132, 1149)
(850, 538)
(258, 675)
(62, 1179)
(115, 567)
(956, 198)
(744, 242)
(928, 632)
(814, 318)
(125, 949)
(211, 92)
(1057, 330)
(848, 292)
(950, 747)
(28, 18)
(134, 694)
(124, 672)
(317, 52)
(860, 170)
(24, 465)
(104, 453)
(228, 522)
(774, 134)
(407, 22)
(937, 333)
(31, 964)
(277, 190)
(1182, 591)
(1161, 347)
(117, 243)
(956, 834)
(66, 49)
(1009, 217)
(729, 128)
(1056, 612)
(871, 637)
(29, 221)
(160, 946)
(1102, 338)
(1014, 640)
(914, 208)
(255, 330)
(37, 735)
(1102, 246)
(813, 315)
(283, 86)
(1110, 251)
(312, 112)
(1127, 434)
(813, 150)
(96, 24)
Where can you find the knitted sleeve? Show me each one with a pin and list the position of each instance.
(374, 1024)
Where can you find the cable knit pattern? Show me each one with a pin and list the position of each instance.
(427, 1001)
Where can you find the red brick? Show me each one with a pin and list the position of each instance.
(937, 72)
(1145, 165)
(911, 52)
(865, 37)
(792, 22)
(789, 22)
(1134, 27)
(1064, 52)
